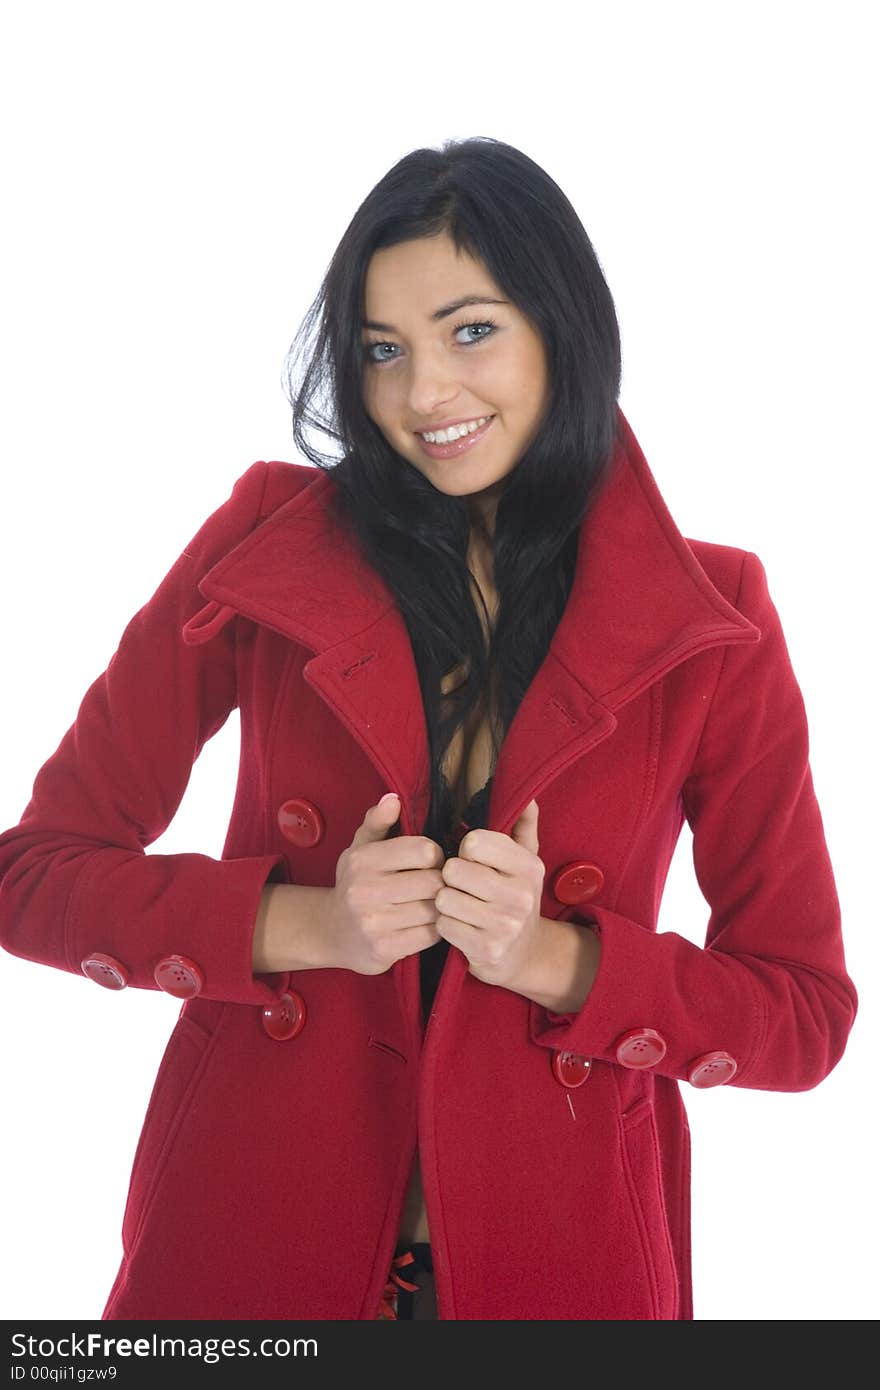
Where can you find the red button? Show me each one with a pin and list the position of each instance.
(578, 882)
(712, 1069)
(640, 1048)
(570, 1068)
(301, 823)
(105, 970)
(178, 975)
(285, 1016)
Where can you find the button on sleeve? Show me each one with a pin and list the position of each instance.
(712, 1069)
(640, 1048)
(179, 976)
(105, 970)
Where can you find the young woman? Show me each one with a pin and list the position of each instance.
(431, 1049)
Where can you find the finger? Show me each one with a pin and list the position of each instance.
(408, 885)
(469, 876)
(524, 831)
(398, 917)
(400, 852)
(415, 852)
(408, 940)
(378, 820)
(465, 908)
(479, 946)
(496, 851)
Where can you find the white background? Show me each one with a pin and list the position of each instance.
(176, 177)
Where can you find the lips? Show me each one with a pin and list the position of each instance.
(448, 424)
(457, 446)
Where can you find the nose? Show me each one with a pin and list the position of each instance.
(432, 386)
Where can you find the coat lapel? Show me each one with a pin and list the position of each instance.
(640, 604)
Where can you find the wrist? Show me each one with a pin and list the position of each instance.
(290, 931)
(560, 972)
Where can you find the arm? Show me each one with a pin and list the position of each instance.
(562, 975)
(770, 986)
(75, 882)
(290, 931)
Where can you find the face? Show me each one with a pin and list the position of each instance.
(430, 361)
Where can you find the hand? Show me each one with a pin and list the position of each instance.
(490, 902)
(382, 905)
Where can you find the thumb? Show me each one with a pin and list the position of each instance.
(378, 819)
(525, 830)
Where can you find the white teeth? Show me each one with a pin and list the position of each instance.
(454, 431)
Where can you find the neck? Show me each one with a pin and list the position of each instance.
(482, 507)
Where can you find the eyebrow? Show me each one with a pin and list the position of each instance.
(443, 312)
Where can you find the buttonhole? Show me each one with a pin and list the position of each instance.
(385, 1047)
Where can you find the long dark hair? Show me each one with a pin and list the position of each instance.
(500, 207)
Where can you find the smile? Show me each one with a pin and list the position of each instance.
(455, 440)
(454, 431)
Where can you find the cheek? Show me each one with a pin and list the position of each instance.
(380, 398)
(526, 392)
(368, 394)
(505, 380)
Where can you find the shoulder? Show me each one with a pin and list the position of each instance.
(742, 577)
(738, 574)
(256, 495)
(722, 563)
(281, 481)
(266, 485)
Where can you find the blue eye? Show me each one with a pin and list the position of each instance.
(380, 360)
(476, 323)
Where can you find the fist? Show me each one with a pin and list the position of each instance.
(490, 902)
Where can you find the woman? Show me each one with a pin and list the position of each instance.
(431, 1047)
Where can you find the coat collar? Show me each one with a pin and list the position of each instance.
(640, 604)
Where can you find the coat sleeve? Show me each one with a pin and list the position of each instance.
(769, 993)
(76, 885)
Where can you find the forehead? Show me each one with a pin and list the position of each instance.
(422, 272)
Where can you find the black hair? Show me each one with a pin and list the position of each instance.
(501, 208)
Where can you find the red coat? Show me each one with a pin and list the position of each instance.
(270, 1174)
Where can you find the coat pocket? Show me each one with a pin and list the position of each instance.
(180, 1069)
(640, 1152)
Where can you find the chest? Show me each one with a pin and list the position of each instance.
(469, 760)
